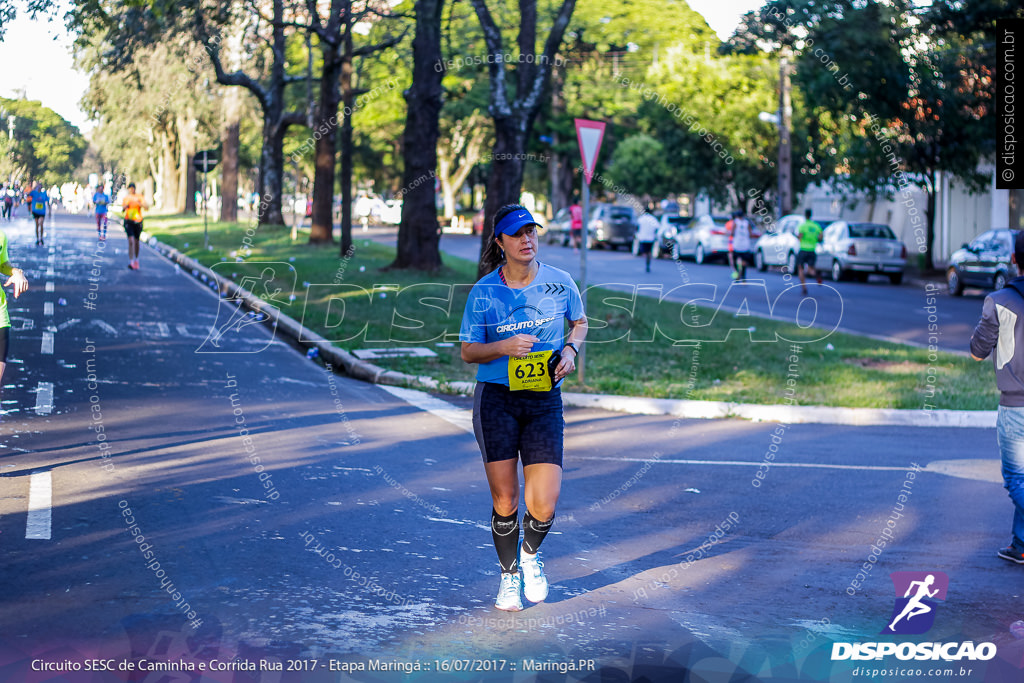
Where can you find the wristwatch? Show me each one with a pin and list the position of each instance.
(575, 350)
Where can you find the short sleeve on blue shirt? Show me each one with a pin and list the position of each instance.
(495, 311)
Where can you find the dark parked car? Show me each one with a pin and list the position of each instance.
(612, 225)
(985, 262)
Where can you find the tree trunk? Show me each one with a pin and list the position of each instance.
(168, 174)
(324, 156)
(930, 217)
(229, 147)
(348, 99)
(188, 172)
(505, 182)
(419, 233)
(271, 178)
(559, 171)
(513, 119)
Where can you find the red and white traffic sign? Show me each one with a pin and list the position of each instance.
(590, 134)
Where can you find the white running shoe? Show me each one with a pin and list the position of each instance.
(535, 584)
(508, 593)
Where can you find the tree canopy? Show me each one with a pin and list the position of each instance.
(43, 145)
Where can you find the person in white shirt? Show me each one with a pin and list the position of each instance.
(646, 233)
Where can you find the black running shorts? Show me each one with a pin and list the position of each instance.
(523, 424)
(5, 341)
(806, 258)
(133, 228)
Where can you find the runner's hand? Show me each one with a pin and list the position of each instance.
(567, 365)
(520, 345)
(17, 279)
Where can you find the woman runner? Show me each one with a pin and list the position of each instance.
(513, 328)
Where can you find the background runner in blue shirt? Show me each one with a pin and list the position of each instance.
(101, 201)
(38, 200)
(512, 326)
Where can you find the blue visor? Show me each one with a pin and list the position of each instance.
(510, 224)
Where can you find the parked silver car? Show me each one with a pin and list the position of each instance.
(862, 249)
(703, 239)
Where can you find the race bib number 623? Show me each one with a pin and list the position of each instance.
(529, 373)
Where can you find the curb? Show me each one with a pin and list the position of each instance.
(353, 367)
(712, 410)
(688, 409)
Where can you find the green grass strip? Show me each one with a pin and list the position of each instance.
(357, 305)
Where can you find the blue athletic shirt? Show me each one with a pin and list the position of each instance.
(101, 199)
(38, 200)
(495, 311)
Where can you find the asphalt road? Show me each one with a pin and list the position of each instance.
(875, 308)
(361, 535)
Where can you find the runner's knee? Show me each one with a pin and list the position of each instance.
(505, 504)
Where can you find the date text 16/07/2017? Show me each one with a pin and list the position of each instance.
(448, 665)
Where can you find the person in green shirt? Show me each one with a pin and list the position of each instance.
(16, 279)
(809, 234)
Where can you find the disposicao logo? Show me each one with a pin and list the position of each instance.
(917, 597)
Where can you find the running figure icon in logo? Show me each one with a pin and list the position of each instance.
(920, 591)
(262, 280)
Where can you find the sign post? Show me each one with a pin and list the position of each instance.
(589, 135)
(204, 162)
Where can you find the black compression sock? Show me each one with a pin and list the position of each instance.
(534, 532)
(505, 532)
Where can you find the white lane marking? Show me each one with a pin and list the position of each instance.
(751, 463)
(51, 258)
(47, 346)
(49, 286)
(461, 418)
(49, 272)
(182, 329)
(106, 327)
(48, 308)
(44, 398)
(40, 492)
(165, 330)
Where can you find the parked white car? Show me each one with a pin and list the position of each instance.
(779, 246)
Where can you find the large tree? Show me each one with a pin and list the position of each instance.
(268, 88)
(893, 101)
(922, 103)
(419, 233)
(127, 26)
(141, 129)
(42, 145)
(334, 32)
(514, 113)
